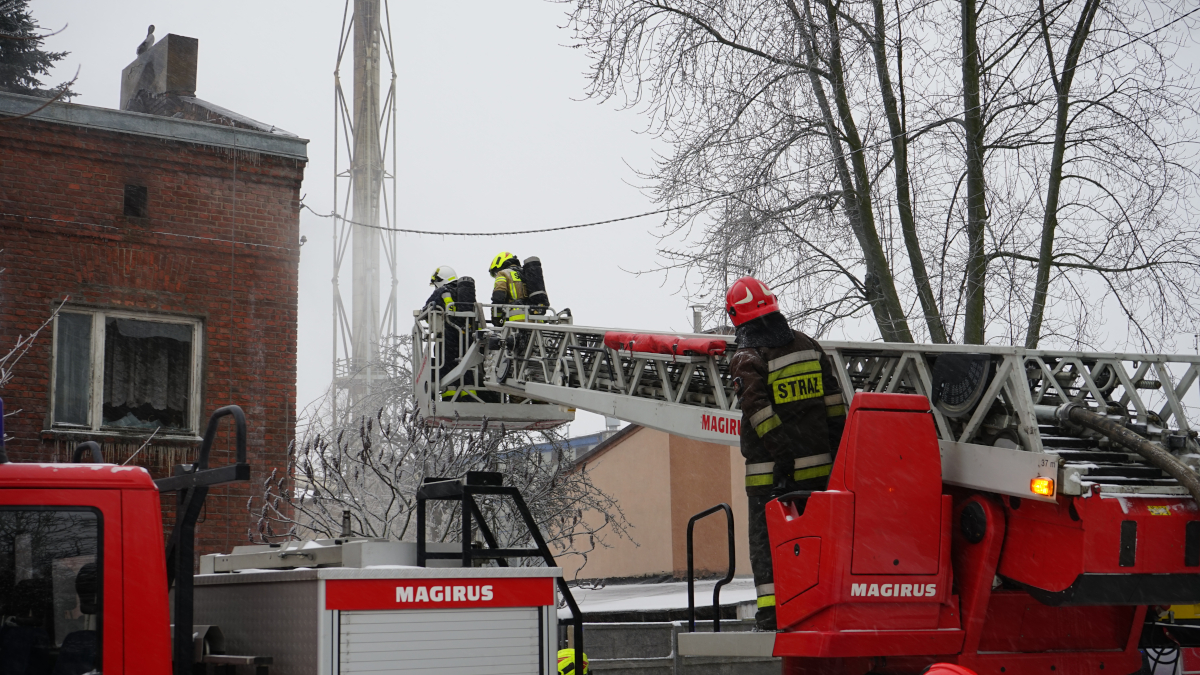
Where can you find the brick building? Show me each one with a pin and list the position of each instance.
(171, 244)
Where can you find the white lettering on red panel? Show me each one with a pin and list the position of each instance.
(893, 590)
(721, 425)
(376, 594)
(473, 593)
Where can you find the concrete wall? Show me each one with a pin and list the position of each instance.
(660, 481)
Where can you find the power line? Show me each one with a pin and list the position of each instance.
(498, 234)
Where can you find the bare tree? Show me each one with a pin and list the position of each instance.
(371, 461)
(861, 157)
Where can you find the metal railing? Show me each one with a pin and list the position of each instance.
(464, 490)
(454, 394)
(691, 578)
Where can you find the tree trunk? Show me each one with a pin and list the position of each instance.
(973, 328)
(908, 225)
(1062, 90)
(877, 263)
(850, 203)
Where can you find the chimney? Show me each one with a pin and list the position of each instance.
(167, 68)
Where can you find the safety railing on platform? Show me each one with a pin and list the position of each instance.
(448, 371)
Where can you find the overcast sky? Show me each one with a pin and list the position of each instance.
(494, 135)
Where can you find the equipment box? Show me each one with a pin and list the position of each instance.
(387, 619)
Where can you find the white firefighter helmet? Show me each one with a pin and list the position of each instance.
(441, 275)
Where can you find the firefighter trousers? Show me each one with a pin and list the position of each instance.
(766, 480)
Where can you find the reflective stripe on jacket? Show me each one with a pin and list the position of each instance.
(792, 409)
(509, 289)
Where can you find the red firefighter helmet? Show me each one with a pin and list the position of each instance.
(947, 669)
(748, 298)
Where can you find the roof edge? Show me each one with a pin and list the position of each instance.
(153, 126)
(606, 444)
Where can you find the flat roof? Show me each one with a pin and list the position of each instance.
(154, 126)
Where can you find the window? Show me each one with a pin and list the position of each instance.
(120, 371)
(136, 198)
(50, 590)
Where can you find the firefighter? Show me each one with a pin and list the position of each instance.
(444, 282)
(445, 288)
(509, 288)
(792, 417)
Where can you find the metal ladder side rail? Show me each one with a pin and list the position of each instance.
(1096, 377)
(1023, 379)
(1150, 389)
(691, 573)
(579, 359)
(687, 383)
(489, 483)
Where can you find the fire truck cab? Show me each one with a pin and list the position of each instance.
(81, 571)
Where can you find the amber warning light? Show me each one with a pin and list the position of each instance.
(1042, 486)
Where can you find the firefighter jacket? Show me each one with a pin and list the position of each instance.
(792, 411)
(443, 297)
(509, 289)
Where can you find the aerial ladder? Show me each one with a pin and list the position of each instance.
(1011, 510)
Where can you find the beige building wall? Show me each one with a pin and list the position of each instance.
(737, 492)
(635, 473)
(660, 481)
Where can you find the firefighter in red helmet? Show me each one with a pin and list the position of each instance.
(792, 417)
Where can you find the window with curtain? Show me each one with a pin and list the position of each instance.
(121, 371)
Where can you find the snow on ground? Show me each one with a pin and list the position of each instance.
(657, 596)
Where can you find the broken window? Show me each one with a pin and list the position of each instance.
(122, 371)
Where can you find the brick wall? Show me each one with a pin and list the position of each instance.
(219, 243)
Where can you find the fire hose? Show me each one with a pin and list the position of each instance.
(1155, 454)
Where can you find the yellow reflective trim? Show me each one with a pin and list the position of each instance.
(798, 388)
(759, 480)
(766, 601)
(794, 369)
(518, 317)
(770, 424)
(835, 410)
(813, 472)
